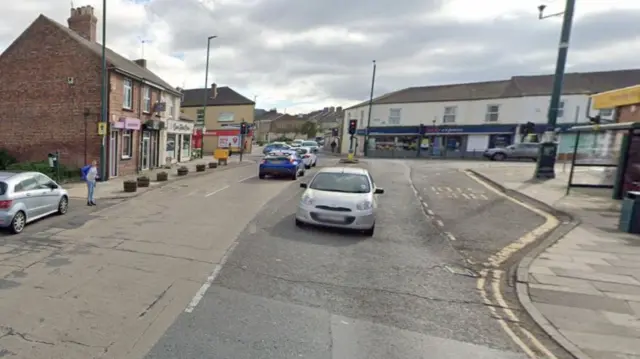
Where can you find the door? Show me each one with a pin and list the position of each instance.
(113, 154)
(145, 150)
(32, 196)
(50, 196)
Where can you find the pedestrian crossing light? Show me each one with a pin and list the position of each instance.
(244, 128)
(353, 126)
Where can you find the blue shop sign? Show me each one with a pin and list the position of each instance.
(430, 130)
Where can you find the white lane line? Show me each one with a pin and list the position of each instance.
(216, 191)
(424, 203)
(450, 236)
(484, 197)
(440, 223)
(247, 178)
(466, 196)
(203, 290)
(430, 212)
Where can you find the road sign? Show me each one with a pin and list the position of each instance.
(102, 128)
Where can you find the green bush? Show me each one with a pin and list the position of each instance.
(260, 143)
(66, 173)
(6, 159)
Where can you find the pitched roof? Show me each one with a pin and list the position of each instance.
(516, 86)
(116, 60)
(226, 97)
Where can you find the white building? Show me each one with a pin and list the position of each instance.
(178, 131)
(476, 116)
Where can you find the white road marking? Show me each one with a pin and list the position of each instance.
(430, 212)
(450, 236)
(433, 189)
(425, 204)
(440, 223)
(216, 191)
(472, 195)
(203, 290)
(247, 178)
(466, 196)
(484, 197)
(449, 189)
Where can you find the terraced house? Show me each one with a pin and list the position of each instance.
(50, 99)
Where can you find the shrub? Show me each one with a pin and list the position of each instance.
(66, 173)
(6, 159)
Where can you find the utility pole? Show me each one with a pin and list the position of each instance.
(206, 93)
(366, 136)
(104, 93)
(545, 168)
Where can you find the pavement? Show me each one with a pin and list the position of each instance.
(584, 288)
(411, 291)
(114, 188)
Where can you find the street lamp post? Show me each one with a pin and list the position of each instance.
(366, 137)
(104, 93)
(545, 168)
(206, 91)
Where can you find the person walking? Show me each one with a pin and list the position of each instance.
(90, 175)
(333, 146)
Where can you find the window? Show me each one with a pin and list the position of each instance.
(3, 188)
(28, 184)
(449, 114)
(560, 108)
(44, 181)
(606, 112)
(128, 94)
(127, 144)
(146, 99)
(361, 118)
(171, 108)
(394, 116)
(341, 182)
(492, 113)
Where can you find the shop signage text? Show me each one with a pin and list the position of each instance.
(180, 127)
(128, 123)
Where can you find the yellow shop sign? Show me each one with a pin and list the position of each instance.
(616, 98)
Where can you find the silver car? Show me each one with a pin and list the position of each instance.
(28, 196)
(340, 197)
(524, 150)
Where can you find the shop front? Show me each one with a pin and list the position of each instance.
(179, 141)
(150, 151)
(123, 134)
(227, 138)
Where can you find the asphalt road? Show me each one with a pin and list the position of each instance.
(286, 292)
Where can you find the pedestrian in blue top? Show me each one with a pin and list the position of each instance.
(90, 175)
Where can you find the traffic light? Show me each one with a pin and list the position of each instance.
(353, 126)
(421, 131)
(334, 132)
(244, 129)
(595, 120)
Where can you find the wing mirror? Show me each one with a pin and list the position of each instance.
(378, 191)
(52, 185)
(303, 185)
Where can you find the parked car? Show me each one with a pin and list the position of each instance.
(308, 157)
(28, 196)
(312, 144)
(517, 151)
(275, 146)
(281, 163)
(340, 197)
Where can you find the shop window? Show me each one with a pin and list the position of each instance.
(128, 94)
(449, 114)
(606, 112)
(186, 145)
(560, 108)
(395, 115)
(127, 144)
(493, 112)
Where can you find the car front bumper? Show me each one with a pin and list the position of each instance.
(358, 220)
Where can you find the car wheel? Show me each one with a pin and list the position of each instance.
(294, 176)
(302, 173)
(307, 167)
(63, 205)
(261, 175)
(299, 223)
(498, 157)
(314, 164)
(369, 232)
(18, 222)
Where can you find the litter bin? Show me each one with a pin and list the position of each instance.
(630, 213)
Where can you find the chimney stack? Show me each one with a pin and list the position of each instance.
(84, 22)
(141, 63)
(339, 109)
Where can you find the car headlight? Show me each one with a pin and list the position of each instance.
(307, 200)
(364, 205)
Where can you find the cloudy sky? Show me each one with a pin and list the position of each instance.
(301, 55)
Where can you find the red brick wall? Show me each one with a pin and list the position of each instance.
(629, 113)
(39, 111)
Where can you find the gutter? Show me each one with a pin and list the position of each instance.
(146, 82)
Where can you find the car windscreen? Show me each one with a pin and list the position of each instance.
(3, 188)
(309, 143)
(341, 182)
(302, 151)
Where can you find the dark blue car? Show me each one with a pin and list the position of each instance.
(281, 164)
(275, 147)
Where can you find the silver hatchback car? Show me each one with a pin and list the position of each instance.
(28, 196)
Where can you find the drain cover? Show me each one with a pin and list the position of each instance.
(457, 270)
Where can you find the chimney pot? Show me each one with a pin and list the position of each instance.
(141, 62)
(84, 22)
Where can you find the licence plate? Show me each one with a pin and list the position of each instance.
(331, 218)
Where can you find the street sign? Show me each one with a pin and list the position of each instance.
(102, 128)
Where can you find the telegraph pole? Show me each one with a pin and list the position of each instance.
(104, 93)
(366, 137)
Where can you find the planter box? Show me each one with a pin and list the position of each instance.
(162, 176)
(201, 168)
(143, 181)
(183, 171)
(213, 165)
(130, 186)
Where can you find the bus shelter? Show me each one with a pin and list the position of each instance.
(606, 156)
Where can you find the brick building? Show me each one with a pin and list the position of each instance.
(625, 103)
(50, 99)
